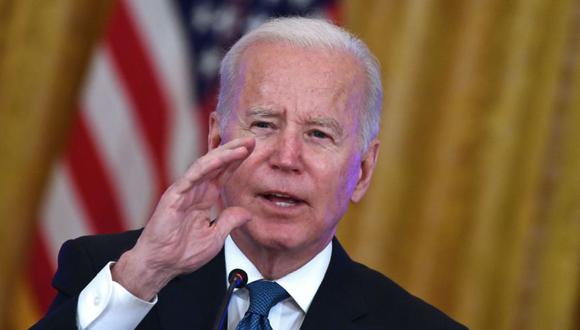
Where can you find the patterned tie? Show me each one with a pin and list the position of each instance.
(263, 295)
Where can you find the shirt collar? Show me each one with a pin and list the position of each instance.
(301, 284)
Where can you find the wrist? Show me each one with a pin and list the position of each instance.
(141, 280)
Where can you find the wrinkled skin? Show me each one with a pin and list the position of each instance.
(301, 106)
(286, 164)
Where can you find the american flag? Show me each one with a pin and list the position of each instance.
(142, 116)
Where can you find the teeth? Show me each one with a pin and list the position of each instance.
(284, 204)
(281, 200)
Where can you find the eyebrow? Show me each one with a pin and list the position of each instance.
(310, 121)
(262, 112)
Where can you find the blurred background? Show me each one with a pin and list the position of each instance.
(474, 207)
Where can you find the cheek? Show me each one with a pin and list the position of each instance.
(339, 183)
(349, 179)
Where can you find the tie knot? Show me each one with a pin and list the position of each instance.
(264, 295)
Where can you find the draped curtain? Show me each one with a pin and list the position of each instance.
(475, 204)
(44, 51)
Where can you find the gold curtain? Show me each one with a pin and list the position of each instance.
(44, 49)
(475, 204)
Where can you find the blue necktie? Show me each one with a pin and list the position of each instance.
(263, 296)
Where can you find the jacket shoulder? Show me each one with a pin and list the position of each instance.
(108, 247)
(80, 259)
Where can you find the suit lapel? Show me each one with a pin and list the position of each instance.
(338, 301)
(191, 301)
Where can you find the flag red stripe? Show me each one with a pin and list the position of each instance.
(40, 272)
(334, 12)
(92, 183)
(135, 68)
(90, 180)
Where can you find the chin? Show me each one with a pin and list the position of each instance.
(272, 236)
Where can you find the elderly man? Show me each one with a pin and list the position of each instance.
(293, 141)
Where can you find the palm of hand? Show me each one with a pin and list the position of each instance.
(179, 238)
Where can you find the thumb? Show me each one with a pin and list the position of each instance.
(230, 219)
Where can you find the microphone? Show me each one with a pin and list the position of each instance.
(236, 279)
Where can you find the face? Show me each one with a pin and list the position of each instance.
(302, 106)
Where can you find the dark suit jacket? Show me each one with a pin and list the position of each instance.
(351, 295)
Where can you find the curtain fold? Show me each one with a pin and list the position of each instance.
(475, 205)
(44, 48)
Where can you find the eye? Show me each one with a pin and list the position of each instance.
(262, 124)
(319, 134)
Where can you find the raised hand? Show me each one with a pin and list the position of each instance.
(180, 237)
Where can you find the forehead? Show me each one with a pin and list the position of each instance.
(312, 81)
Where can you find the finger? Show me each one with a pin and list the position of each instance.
(230, 219)
(216, 161)
(220, 157)
(227, 172)
(247, 142)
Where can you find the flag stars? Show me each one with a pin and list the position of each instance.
(214, 25)
(202, 17)
(226, 20)
(255, 20)
(301, 3)
(209, 63)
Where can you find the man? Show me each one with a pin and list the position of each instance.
(293, 141)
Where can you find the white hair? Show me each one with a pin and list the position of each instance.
(306, 33)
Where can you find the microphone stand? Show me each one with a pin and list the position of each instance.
(236, 279)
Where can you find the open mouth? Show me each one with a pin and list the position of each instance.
(281, 199)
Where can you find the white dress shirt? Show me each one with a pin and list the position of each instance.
(105, 304)
(301, 285)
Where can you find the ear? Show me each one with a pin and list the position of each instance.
(367, 166)
(214, 137)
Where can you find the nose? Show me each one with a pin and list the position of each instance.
(287, 153)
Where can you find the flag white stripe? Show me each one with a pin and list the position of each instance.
(62, 216)
(163, 40)
(113, 127)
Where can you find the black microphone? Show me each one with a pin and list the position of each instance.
(236, 279)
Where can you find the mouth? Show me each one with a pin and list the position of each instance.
(281, 199)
